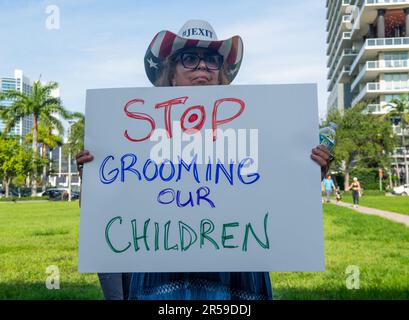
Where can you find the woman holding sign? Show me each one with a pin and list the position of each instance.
(195, 57)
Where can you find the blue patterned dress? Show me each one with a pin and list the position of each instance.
(201, 286)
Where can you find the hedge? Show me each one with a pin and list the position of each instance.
(366, 193)
(368, 179)
(10, 199)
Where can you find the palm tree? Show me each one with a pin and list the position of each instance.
(41, 105)
(48, 140)
(399, 109)
(76, 135)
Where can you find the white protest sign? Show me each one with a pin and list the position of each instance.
(201, 179)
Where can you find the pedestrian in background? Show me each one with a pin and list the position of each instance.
(329, 187)
(356, 191)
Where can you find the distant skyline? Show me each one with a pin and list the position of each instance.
(101, 44)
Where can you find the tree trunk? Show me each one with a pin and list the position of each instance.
(405, 158)
(397, 171)
(7, 187)
(44, 168)
(390, 179)
(346, 182)
(35, 135)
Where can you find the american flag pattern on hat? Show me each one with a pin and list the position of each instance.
(165, 43)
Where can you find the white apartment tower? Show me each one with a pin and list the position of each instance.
(22, 84)
(368, 55)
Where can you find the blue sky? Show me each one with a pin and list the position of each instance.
(101, 43)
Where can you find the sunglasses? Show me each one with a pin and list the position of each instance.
(190, 60)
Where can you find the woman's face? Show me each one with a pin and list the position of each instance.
(203, 75)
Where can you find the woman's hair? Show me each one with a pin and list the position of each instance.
(168, 72)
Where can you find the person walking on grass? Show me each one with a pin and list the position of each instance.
(356, 191)
(329, 186)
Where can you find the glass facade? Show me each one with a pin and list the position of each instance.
(55, 155)
(390, 97)
(22, 85)
(396, 55)
(396, 81)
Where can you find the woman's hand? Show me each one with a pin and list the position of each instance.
(323, 157)
(83, 157)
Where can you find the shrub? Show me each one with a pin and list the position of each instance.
(23, 198)
(366, 193)
(368, 178)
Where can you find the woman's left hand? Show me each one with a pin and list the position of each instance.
(323, 157)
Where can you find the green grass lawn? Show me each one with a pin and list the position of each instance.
(36, 235)
(396, 204)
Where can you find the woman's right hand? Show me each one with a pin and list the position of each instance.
(83, 157)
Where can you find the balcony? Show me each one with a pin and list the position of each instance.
(372, 47)
(373, 89)
(373, 109)
(335, 7)
(347, 57)
(386, 2)
(372, 69)
(398, 131)
(341, 77)
(341, 40)
(399, 155)
(376, 108)
(341, 24)
(344, 43)
(368, 13)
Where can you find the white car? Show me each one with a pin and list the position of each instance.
(401, 190)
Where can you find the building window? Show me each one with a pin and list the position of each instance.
(396, 81)
(390, 97)
(396, 59)
(396, 55)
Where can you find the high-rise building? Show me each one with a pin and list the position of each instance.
(22, 84)
(368, 55)
(58, 162)
(59, 169)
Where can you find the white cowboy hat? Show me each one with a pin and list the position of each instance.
(194, 33)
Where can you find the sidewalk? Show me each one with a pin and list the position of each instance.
(400, 218)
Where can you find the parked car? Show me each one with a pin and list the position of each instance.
(401, 190)
(60, 194)
(12, 193)
(25, 191)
